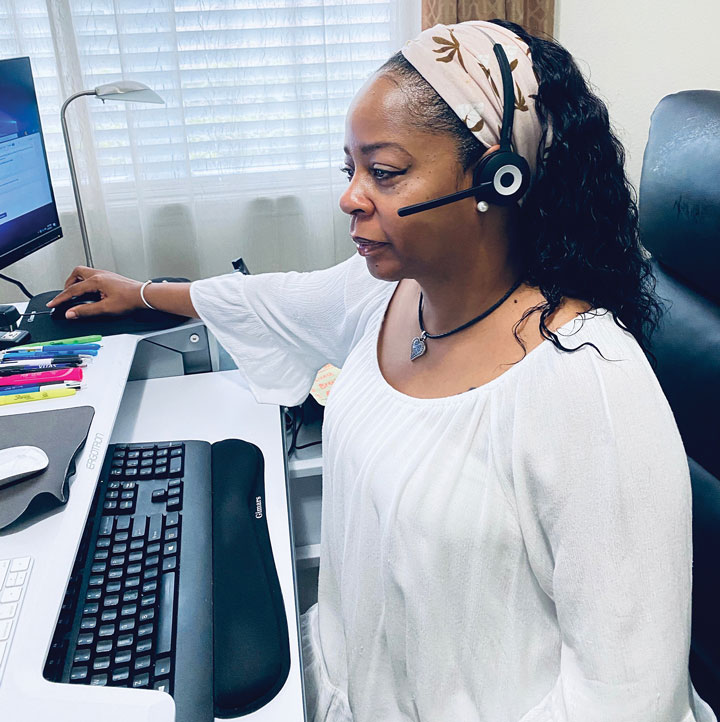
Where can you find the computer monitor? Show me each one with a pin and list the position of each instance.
(28, 215)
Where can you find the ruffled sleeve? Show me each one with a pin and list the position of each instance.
(603, 495)
(280, 328)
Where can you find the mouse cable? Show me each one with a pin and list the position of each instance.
(18, 284)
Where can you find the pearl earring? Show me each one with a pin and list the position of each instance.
(482, 206)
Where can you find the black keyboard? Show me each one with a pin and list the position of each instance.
(146, 589)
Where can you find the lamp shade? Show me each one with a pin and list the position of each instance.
(128, 90)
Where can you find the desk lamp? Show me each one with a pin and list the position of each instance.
(127, 90)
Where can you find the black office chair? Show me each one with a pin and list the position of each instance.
(679, 206)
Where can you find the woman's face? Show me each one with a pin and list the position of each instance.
(391, 164)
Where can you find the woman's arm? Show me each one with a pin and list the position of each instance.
(121, 295)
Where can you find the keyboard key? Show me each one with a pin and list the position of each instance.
(88, 623)
(172, 519)
(144, 645)
(148, 600)
(128, 610)
(127, 625)
(155, 526)
(123, 523)
(106, 525)
(145, 629)
(162, 667)
(130, 596)
(146, 615)
(174, 504)
(119, 548)
(93, 594)
(167, 602)
(149, 586)
(153, 548)
(82, 655)
(121, 674)
(136, 543)
(109, 615)
(171, 534)
(125, 640)
(175, 468)
(104, 646)
(111, 601)
(113, 587)
(85, 639)
(7, 611)
(157, 496)
(139, 527)
(99, 680)
(78, 673)
(174, 483)
(123, 657)
(134, 569)
(107, 630)
(141, 680)
(162, 685)
(152, 560)
(142, 662)
(91, 608)
(169, 563)
(11, 594)
(101, 663)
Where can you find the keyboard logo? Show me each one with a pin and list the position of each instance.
(94, 453)
(258, 507)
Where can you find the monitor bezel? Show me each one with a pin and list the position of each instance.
(15, 254)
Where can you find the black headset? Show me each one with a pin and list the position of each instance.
(501, 177)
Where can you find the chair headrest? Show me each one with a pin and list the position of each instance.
(679, 200)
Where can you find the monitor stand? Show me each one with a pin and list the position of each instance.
(42, 327)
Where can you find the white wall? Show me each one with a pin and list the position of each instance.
(635, 52)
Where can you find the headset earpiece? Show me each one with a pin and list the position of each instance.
(504, 177)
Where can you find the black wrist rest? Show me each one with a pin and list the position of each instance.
(251, 645)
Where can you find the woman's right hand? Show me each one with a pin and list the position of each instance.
(117, 294)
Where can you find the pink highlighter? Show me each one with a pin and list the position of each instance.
(58, 375)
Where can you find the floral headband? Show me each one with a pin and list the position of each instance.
(460, 64)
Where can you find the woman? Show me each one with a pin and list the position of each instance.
(506, 518)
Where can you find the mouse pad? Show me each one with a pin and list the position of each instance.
(43, 328)
(60, 433)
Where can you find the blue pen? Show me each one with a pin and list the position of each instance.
(45, 354)
(30, 388)
(56, 348)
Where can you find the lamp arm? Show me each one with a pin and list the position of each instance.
(73, 175)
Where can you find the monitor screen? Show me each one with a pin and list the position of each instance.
(28, 216)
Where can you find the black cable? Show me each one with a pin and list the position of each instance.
(18, 284)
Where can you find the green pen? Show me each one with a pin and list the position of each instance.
(79, 339)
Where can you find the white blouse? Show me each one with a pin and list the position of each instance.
(520, 552)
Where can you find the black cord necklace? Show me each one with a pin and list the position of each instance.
(418, 346)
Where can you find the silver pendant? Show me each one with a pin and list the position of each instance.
(418, 347)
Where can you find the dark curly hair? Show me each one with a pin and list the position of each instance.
(579, 219)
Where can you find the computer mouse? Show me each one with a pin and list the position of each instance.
(18, 462)
(58, 312)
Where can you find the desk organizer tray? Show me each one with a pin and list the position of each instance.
(60, 433)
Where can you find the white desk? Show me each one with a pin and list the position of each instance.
(208, 407)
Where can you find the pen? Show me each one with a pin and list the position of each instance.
(42, 386)
(32, 355)
(78, 339)
(41, 362)
(36, 396)
(21, 368)
(55, 348)
(74, 373)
